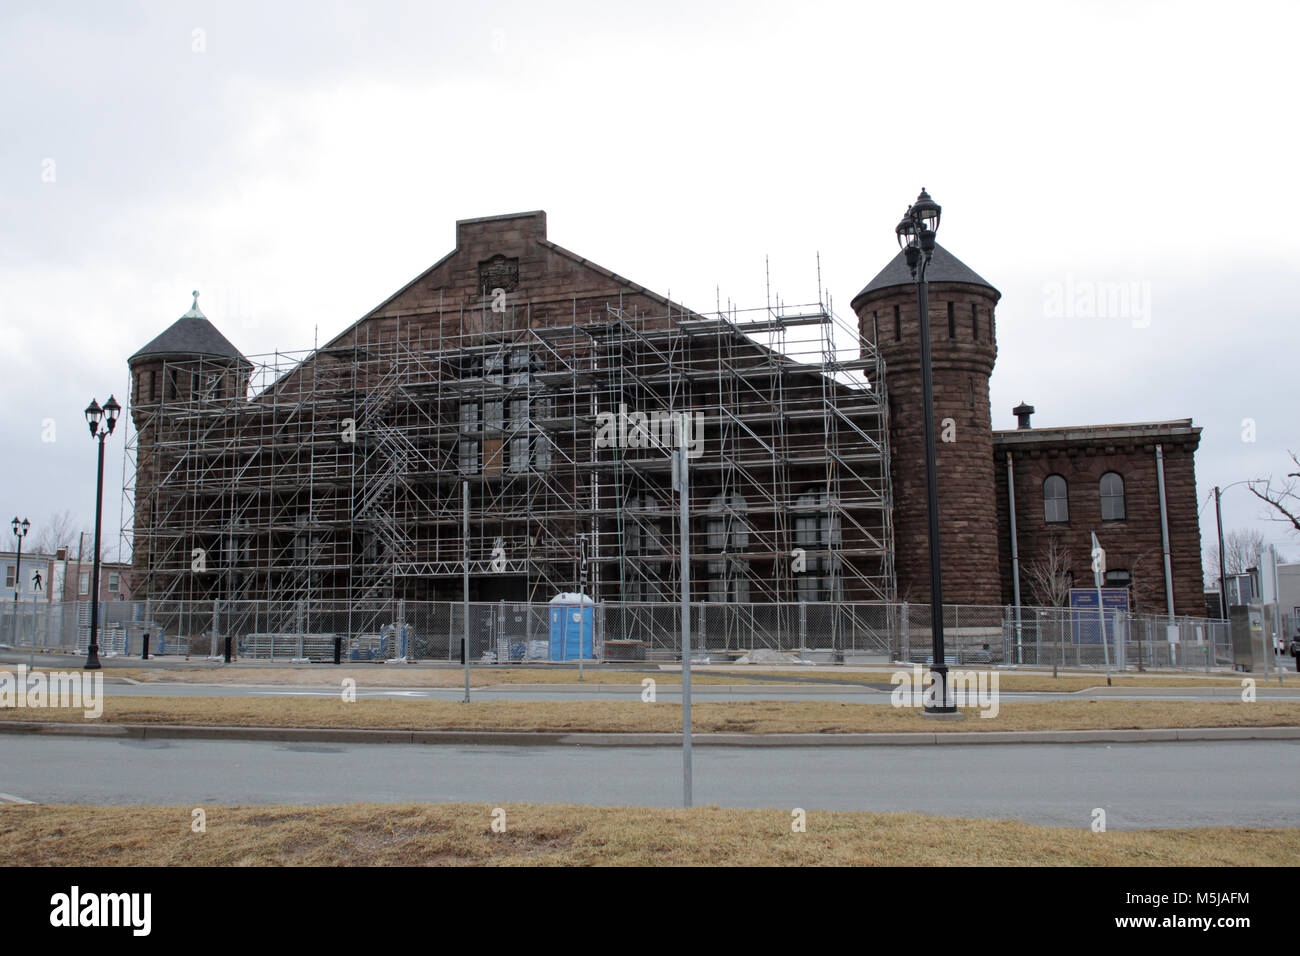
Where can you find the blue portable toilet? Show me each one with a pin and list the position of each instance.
(572, 625)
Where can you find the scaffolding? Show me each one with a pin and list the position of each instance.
(335, 474)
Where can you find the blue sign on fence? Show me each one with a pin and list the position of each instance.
(1085, 627)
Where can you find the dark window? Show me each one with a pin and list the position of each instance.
(975, 320)
(728, 534)
(970, 386)
(1112, 497)
(1118, 578)
(1056, 500)
(898, 325)
(468, 450)
(952, 322)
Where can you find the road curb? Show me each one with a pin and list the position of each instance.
(589, 739)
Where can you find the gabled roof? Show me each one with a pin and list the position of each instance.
(944, 267)
(191, 334)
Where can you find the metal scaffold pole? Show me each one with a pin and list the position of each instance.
(682, 483)
(464, 645)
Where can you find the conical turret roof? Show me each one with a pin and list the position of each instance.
(191, 334)
(944, 267)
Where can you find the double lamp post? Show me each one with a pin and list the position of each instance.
(915, 235)
(20, 532)
(95, 417)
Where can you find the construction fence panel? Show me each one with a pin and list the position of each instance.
(518, 632)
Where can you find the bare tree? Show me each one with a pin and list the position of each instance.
(1049, 576)
(1284, 497)
(1242, 548)
(59, 531)
(1152, 558)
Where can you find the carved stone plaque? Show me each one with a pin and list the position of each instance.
(498, 273)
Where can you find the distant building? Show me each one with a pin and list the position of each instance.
(51, 578)
(114, 581)
(38, 579)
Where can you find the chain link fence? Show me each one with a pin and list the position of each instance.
(504, 631)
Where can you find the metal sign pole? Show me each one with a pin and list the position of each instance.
(582, 607)
(681, 481)
(1278, 620)
(465, 544)
(1098, 571)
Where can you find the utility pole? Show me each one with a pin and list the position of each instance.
(1223, 573)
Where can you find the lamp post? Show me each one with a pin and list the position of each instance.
(94, 416)
(915, 235)
(20, 532)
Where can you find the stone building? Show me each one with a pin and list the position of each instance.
(338, 473)
(1069, 482)
(1109, 480)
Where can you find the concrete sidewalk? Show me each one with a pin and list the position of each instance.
(548, 738)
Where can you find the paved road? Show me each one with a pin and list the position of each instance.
(1255, 783)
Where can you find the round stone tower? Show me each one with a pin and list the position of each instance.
(191, 365)
(963, 351)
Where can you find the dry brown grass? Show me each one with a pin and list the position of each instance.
(633, 716)
(320, 675)
(560, 835)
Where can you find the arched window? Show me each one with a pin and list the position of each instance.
(1056, 500)
(1112, 497)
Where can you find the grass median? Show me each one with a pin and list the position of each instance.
(561, 835)
(756, 717)
(322, 675)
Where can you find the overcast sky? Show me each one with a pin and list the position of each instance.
(299, 162)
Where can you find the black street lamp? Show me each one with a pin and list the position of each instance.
(94, 415)
(916, 237)
(20, 532)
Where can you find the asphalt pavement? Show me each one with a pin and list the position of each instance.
(1235, 783)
